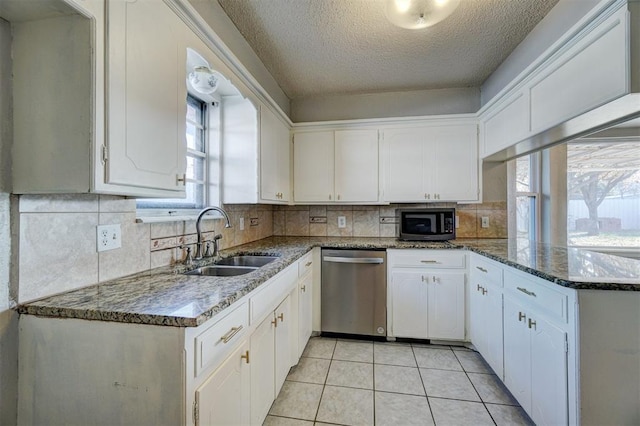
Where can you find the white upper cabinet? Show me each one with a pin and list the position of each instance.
(313, 167)
(336, 166)
(275, 182)
(591, 72)
(506, 124)
(430, 163)
(112, 99)
(146, 95)
(356, 165)
(590, 68)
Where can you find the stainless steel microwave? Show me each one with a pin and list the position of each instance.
(426, 224)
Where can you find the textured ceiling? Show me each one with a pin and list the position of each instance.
(321, 47)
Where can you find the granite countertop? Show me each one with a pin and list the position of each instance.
(164, 296)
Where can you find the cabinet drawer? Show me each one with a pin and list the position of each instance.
(537, 295)
(485, 270)
(272, 293)
(427, 258)
(305, 264)
(216, 342)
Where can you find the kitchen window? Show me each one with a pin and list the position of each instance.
(524, 177)
(603, 193)
(202, 174)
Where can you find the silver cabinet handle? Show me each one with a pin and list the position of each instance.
(527, 292)
(308, 264)
(337, 259)
(230, 334)
(430, 261)
(481, 269)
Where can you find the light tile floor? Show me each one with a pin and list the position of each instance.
(354, 382)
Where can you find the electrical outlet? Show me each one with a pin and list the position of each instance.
(242, 223)
(109, 237)
(342, 222)
(457, 221)
(485, 221)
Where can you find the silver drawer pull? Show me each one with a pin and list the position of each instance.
(308, 264)
(429, 261)
(481, 269)
(337, 259)
(527, 292)
(230, 334)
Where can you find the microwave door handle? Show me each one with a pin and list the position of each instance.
(368, 260)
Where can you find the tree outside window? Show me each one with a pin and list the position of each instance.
(603, 189)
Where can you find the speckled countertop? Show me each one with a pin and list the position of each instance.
(163, 296)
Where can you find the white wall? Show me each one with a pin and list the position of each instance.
(389, 104)
(214, 15)
(559, 20)
(8, 318)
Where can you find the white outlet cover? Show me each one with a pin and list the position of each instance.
(109, 237)
(342, 222)
(242, 223)
(485, 221)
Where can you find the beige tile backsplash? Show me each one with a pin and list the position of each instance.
(378, 221)
(56, 246)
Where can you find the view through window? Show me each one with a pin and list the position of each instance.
(527, 188)
(603, 190)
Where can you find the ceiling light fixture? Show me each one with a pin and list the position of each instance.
(203, 80)
(417, 14)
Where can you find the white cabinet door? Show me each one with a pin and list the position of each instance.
(274, 157)
(305, 313)
(593, 71)
(492, 322)
(313, 155)
(409, 304)
(517, 352)
(446, 305)
(223, 399)
(431, 163)
(402, 165)
(283, 333)
(356, 165)
(454, 166)
(262, 362)
(548, 374)
(146, 95)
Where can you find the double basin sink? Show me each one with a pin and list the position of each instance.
(232, 266)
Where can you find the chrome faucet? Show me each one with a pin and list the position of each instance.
(204, 211)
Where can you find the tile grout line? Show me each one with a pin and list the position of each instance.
(466, 373)
(324, 385)
(423, 386)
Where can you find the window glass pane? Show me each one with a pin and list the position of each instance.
(195, 138)
(603, 190)
(195, 195)
(525, 217)
(523, 174)
(195, 168)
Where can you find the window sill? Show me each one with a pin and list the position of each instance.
(158, 216)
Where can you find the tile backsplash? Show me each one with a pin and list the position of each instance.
(379, 221)
(54, 241)
(54, 236)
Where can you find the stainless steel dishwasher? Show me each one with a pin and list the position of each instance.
(354, 292)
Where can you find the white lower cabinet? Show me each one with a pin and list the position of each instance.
(226, 371)
(224, 397)
(426, 302)
(305, 302)
(485, 311)
(535, 363)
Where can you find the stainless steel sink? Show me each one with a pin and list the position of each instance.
(221, 271)
(247, 260)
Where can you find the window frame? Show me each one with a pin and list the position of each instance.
(534, 196)
(147, 210)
